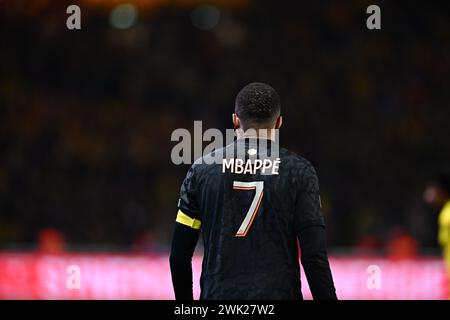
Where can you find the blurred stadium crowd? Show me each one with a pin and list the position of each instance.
(86, 116)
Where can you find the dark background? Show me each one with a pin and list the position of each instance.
(86, 115)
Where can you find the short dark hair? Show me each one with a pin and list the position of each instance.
(257, 105)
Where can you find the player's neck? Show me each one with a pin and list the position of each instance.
(268, 134)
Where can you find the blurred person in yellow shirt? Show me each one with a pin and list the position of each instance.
(437, 194)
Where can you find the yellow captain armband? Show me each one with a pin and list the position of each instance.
(188, 221)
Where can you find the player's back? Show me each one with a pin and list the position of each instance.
(248, 202)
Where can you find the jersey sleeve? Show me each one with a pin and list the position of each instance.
(188, 203)
(308, 203)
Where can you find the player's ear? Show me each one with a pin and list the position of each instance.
(236, 121)
(279, 122)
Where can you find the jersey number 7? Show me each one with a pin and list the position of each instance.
(258, 186)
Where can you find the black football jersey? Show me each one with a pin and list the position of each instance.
(250, 200)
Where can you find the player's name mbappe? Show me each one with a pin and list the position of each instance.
(251, 166)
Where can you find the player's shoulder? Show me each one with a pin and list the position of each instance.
(294, 161)
(208, 162)
(299, 168)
